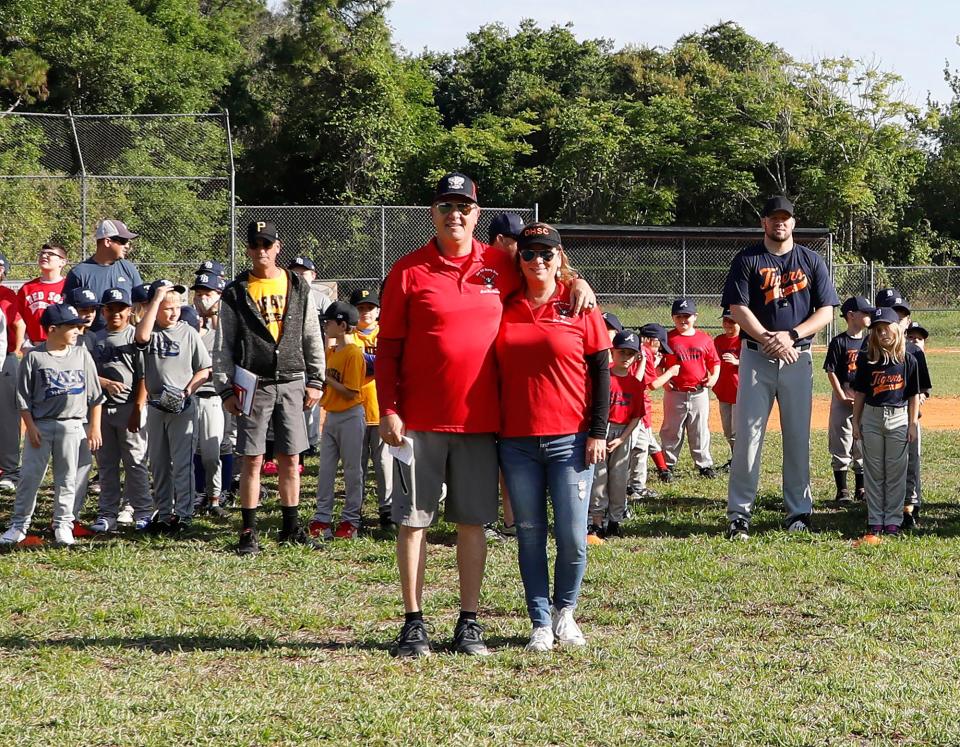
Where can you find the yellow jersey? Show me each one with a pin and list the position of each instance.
(371, 408)
(270, 297)
(346, 365)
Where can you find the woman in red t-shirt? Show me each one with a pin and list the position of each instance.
(554, 399)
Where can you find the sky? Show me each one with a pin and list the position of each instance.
(914, 39)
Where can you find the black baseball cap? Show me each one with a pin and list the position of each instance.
(211, 267)
(456, 184)
(657, 332)
(339, 311)
(140, 293)
(683, 306)
(115, 295)
(305, 262)
(164, 284)
(917, 329)
(189, 315)
(506, 224)
(856, 303)
(83, 298)
(775, 204)
(892, 298)
(612, 321)
(627, 340)
(364, 295)
(538, 233)
(884, 315)
(208, 281)
(59, 314)
(261, 229)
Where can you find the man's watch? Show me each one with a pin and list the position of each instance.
(794, 335)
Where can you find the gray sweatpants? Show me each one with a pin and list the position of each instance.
(120, 446)
(761, 381)
(82, 480)
(59, 439)
(608, 495)
(844, 451)
(686, 413)
(375, 450)
(10, 417)
(210, 429)
(644, 445)
(170, 446)
(885, 458)
(341, 441)
(728, 421)
(914, 495)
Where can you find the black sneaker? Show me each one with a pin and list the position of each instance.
(708, 472)
(595, 530)
(299, 537)
(412, 641)
(843, 496)
(248, 544)
(666, 475)
(860, 495)
(725, 467)
(468, 639)
(739, 529)
(217, 511)
(386, 522)
(170, 525)
(612, 529)
(911, 516)
(798, 523)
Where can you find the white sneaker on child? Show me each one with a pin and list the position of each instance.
(540, 640)
(63, 535)
(565, 628)
(13, 536)
(125, 517)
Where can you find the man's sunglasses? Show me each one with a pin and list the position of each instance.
(464, 208)
(528, 255)
(261, 244)
(119, 240)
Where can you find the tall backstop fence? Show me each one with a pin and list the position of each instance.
(169, 176)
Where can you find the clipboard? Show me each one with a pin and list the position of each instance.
(244, 387)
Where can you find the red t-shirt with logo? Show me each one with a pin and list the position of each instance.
(545, 386)
(645, 370)
(697, 358)
(438, 323)
(726, 386)
(32, 298)
(8, 305)
(626, 399)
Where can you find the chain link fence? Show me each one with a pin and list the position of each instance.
(169, 177)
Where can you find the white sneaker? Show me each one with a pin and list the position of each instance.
(565, 628)
(540, 640)
(102, 525)
(63, 535)
(7, 485)
(125, 517)
(13, 536)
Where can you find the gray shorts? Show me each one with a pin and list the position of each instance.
(465, 462)
(279, 406)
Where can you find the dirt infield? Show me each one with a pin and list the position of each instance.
(939, 414)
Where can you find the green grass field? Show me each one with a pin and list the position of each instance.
(693, 639)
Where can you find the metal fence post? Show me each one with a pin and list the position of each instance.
(683, 272)
(536, 212)
(83, 186)
(383, 242)
(232, 220)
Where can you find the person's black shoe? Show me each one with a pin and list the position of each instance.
(666, 475)
(798, 523)
(843, 496)
(596, 530)
(612, 529)
(217, 511)
(386, 522)
(725, 467)
(738, 530)
(412, 642)
(299, 537)
(860, 495)
(468, 639)
(312, 452)
(248, 544)
(708, 472)
(911, 517)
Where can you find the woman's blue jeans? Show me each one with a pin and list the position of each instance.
(533, 467)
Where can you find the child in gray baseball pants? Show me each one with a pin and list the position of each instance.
(57, 393)
(175, 364)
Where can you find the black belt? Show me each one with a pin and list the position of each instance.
(206, 395)
(686, 391)
(754, 346)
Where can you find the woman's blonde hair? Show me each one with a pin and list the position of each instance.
(895, 353)
(565, 273)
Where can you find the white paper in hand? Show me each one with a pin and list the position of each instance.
(403, 452)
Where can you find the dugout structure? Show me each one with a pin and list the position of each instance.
(170, 177)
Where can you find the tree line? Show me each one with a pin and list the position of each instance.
(327, 109)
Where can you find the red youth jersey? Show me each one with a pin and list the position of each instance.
(645, 370)
(626, 399)
(32, 298)
(545, 386)
(8, 305)
(726, 386)
(695, 354)
(439, 320)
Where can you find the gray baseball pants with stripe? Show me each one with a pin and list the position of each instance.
(761, 381)
(82, 480)
(341, 441)
(728, 421)
(9, 415)
(844, 451)
(644, 445)
(375, 450)
(59, 439)
(170, 447)
(608, 495)
(885, 458)
(210, 430)
(120, 446)
(914, 494)
(686, 413)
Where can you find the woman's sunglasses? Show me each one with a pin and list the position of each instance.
(528, 255)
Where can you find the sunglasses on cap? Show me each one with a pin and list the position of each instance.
(528, 255)
(464, 208)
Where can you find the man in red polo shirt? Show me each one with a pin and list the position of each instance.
(9, 412)
(437, 387)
